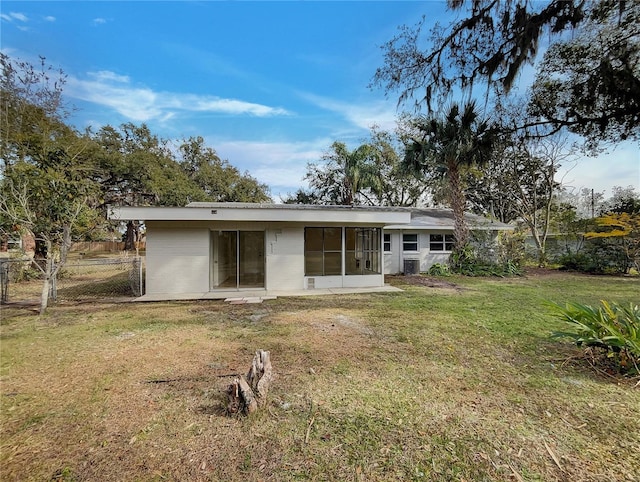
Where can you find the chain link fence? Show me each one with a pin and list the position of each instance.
(78, 280)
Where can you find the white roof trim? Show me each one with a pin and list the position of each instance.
(262, 212)
(488, 226)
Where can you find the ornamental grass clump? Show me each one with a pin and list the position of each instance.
(610, 333)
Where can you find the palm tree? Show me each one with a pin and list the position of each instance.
(356, 171)
(446, 144)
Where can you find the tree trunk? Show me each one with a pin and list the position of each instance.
(241, 397)
(132, 236)
(46, 285)
(259, 376)
(457, 200)
(52, 268)
(245, 395)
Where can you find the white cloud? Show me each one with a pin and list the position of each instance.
(108, 76)
(19, 16)
(281, 165)
(11, 16)
(363, 115)
(142, 104)
(49, 18)
(230, 106)
(99, 21)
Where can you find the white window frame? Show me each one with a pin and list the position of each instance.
(446, 239)
(405, 243)
(386, 242)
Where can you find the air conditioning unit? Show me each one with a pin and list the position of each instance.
(411, 267)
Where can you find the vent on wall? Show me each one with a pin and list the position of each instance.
(311, 283)
(411, 266)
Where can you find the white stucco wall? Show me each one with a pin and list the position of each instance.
(285, 258)
(347, 281)
(394, 260)
(177, 261)
(363, 281)
(179, 258)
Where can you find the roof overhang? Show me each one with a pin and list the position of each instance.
(488, 226)
(437, 219)
(263, 213)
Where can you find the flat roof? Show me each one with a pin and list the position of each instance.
(391, 217)
(297, 207)
(263, 212)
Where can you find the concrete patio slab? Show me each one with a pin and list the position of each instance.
(239, 296)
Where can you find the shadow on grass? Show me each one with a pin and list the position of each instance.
(114, 286)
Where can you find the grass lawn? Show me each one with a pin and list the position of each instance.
(436, 383)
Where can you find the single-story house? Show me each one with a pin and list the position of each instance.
(219, 248)
(226, 247)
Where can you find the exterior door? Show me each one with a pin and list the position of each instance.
(237, 259)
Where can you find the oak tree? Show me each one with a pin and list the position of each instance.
(589, 83)
(216, 179)
(46, 186)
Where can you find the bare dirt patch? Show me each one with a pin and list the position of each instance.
(427, 281)
(339, 323)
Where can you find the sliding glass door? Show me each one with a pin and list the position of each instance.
(237, 259)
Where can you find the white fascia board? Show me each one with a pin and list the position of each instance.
(344, 216)
(420, 227)
(439, 227)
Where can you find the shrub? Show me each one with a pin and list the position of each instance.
(439, 269)
(611, 328)
(578, 262)
(511, 247)
(600, 256)
(23, 271)
(465, 261)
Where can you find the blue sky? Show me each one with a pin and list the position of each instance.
(269, 85)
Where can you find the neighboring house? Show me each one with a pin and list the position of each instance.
(25, 243)
(428, 239)
(208, 249)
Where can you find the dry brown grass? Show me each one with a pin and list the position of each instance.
(367, 387)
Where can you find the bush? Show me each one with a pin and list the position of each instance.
(511, 247)
(23, 271)
(599, 257)
(439, 269)
(612, 329)
(578, 262)
(466, 262)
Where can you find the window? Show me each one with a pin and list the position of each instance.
(409, 242)
(441, 242)
(323, 251)
(362, 251)
(387, 243)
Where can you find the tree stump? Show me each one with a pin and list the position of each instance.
(246, 394)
